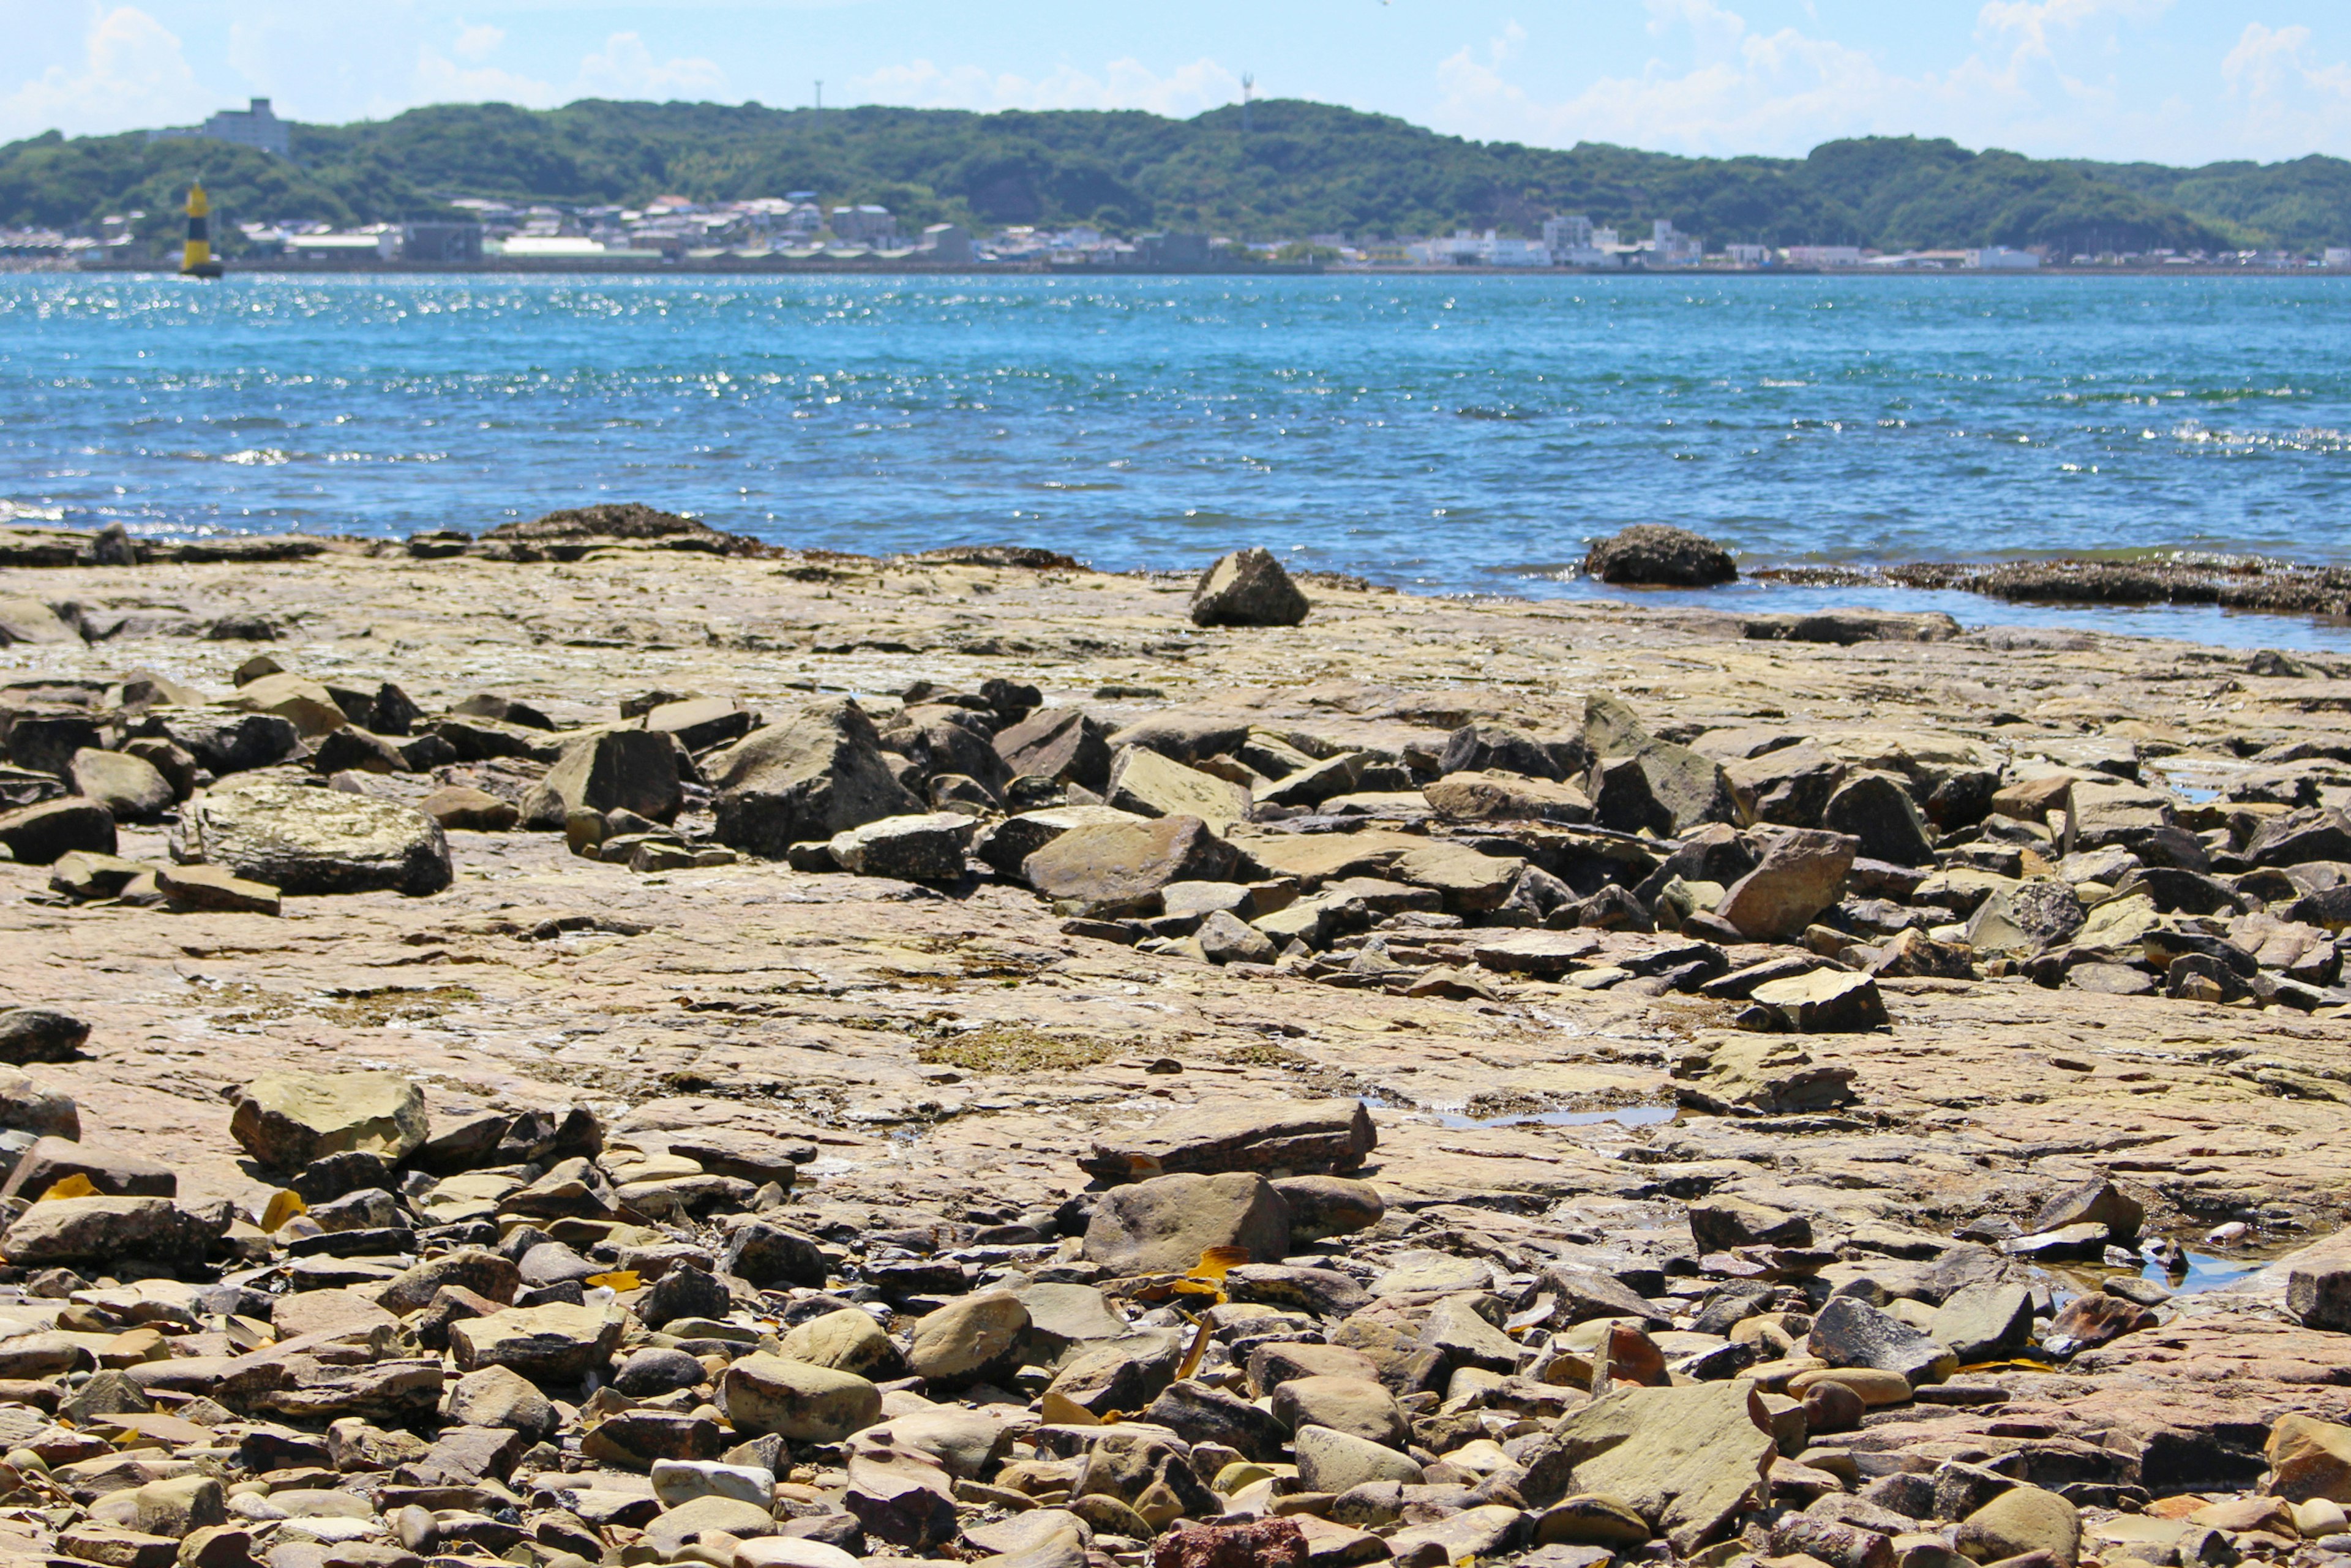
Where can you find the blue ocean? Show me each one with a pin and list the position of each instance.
(1453, 434)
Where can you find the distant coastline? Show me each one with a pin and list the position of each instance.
(636, 267)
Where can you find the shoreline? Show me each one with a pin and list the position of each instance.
(750, 267)
(2320, 595)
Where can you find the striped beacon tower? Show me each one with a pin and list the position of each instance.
(196, 256)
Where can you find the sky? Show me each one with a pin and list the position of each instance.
(2176, 81)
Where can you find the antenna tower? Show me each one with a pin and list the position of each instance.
(1249, 85)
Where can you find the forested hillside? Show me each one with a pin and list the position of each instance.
(1300, 169)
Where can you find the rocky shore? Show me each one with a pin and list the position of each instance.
(607, 1045)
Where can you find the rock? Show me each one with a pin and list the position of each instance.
(611, 770)
(1475, 797)
(485, 1273)
(848, 1340)
(1164, 1225)
(547, 1344)
(40, 1034)
(2320, 1297)
(30, 621)
(911, 848)
(1488, 1530)
(287, 1120)
(966, 1338)
(1588, 1520)
(1877, 813)
(130, 788)
(901, 1496)
(39, 834)
(1462, 1337)
(71, 1230)
(1849, 1332)
(1827, 1001)
(818, 773)
(305, 705)
(28, 1105)
(2022, 1519)
(2094, 1201)
(1282, 1139)
(1356, 1406)
(308, 841)
(795, 1400)
(1722, 1224)
(772, 1258)
(179, 1506)
(1790, 785)
(2030, 918)
(501, 1398)
(1331, 1461)
(1802, 873)
(1147, 784)
(225, 742)
(680, 1481)
(1655, 555)
(1762, 1074)
(1687, 1461)
(705, 1517)
(1063, 744)
(208, 887)
(2088, 1321)
(1248, 588)
(655, 1370)
(1107, 871)
(81, 875)
(1321, 1206)
(52, 1160)
(1984, 1321)
(2298, 838)
(1260, 1543)
(1198, 1413)
(475, 811)
(1225, 940)
(2309, 1458)
(1469, 882)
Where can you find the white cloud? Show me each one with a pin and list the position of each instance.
(1122, 83)
(2040, 77)
(478, 42)
(2283, 100)
(127, 57)
(625, 68)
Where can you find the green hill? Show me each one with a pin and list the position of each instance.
(1302, 169)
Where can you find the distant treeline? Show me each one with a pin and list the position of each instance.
(1301, 169)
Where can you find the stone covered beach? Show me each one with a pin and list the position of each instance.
(575, 1047)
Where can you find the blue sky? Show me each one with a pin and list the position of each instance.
(2180, 81)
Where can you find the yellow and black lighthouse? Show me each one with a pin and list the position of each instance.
(196, 256)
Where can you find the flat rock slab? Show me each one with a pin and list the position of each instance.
(1316, 1137)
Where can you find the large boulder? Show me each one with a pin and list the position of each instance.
(1112, 868)
(1689, 1460)
(553, 1344)
(223, 741)
(1653, 555)
(911, 848)
(131, 787)
(1248, 588)
(285, 1120)
(302, 840)
(614, 769)
(1062, 744)
(1801, 874)
(1162, 1226)
(40, 834)
(1878, 812)
(821, 773)
(1150, 785)
(1285, 1138)
(797, 1401)
(69, 1231)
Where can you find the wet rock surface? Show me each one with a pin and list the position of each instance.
(861, 1140)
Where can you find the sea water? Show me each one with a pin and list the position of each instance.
(1458, 434)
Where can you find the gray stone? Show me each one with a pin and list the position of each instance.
(40, 1034)
(912, 849)
(1283, 1138)
(1877, 812)
(286, 1120)
(302, 840)
(1849, 1332)
(41, 834)
(1802, 873)
(130, 788)
(1656, 555)
(1984, 1321)
(818, 773)
(793, 1400)
(1248, 588)
(611, 770)
(1331, 1461)
(1164, 1225)
(1109, 869)
(1689, 1460)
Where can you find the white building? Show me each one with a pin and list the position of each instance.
(1488, 249)
(1823, 256)
(1566, 232)
(2000, 258)
(257, 126)
(1747, 255)
(2337, 255)
(1668, 246)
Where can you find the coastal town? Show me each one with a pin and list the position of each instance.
(813, 229)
